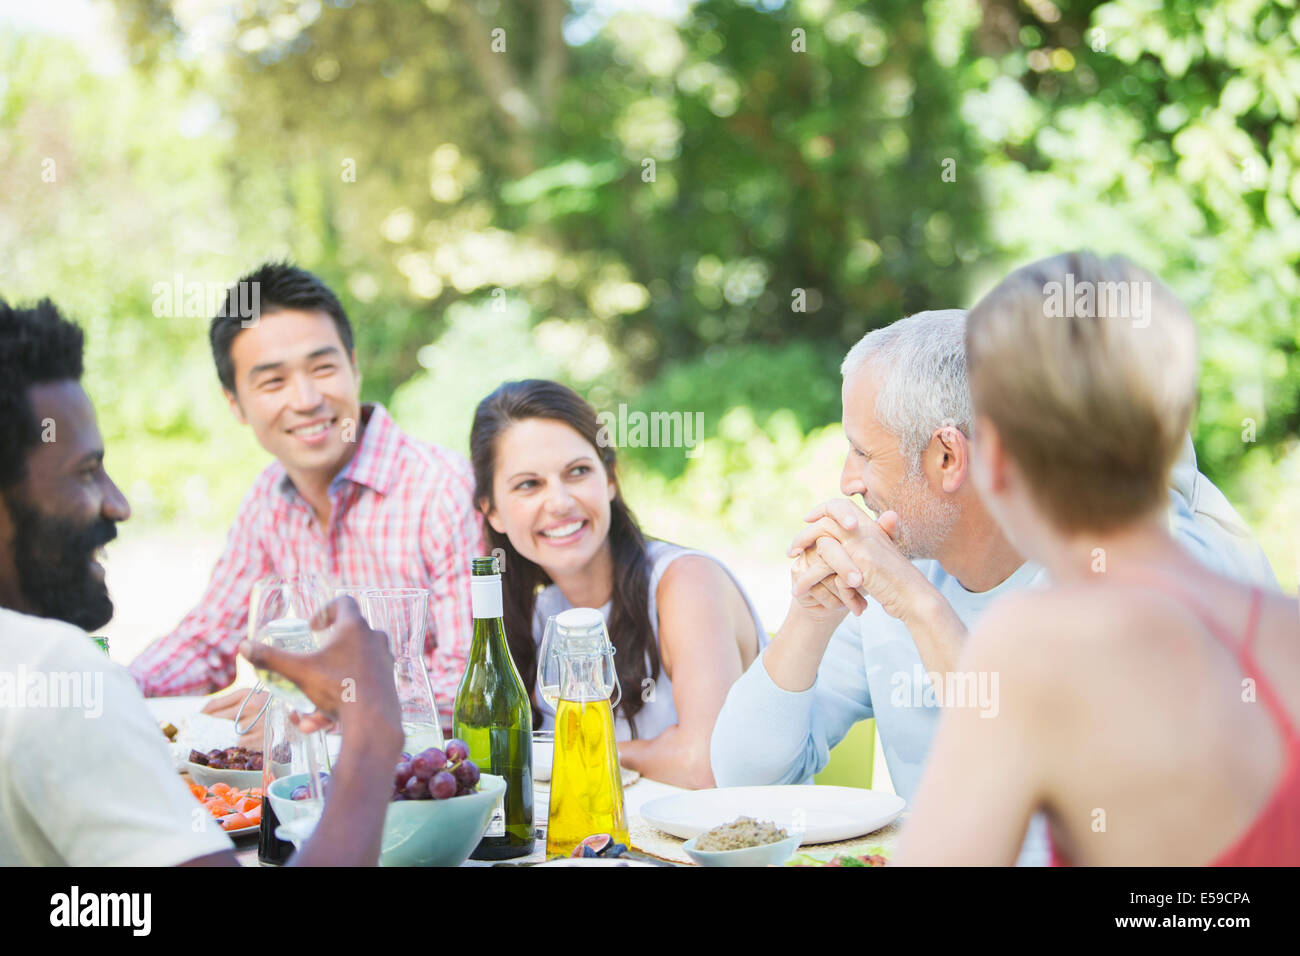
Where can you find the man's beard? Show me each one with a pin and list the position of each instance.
(52, 557)
(925, 520)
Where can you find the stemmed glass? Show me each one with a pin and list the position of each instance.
(279, 612)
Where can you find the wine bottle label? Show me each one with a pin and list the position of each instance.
(485, 595)
(497, 825)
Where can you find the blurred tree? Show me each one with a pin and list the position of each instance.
(697, 214)
(728, 181)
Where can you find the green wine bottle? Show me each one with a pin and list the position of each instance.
(493, 716)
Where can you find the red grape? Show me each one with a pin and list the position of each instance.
(466, 773)
(442, 786)
(428, 763)
(457, 750)
(402, 773)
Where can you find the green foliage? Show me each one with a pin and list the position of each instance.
(752, 482)
(778, 388)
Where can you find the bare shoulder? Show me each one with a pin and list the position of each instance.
(692, 582)
(1063, 635)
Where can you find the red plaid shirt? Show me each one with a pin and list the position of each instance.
(403, 516)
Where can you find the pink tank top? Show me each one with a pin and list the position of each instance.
(1273, 839)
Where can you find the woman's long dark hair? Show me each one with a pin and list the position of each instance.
(630, 627)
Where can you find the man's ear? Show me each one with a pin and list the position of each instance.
(952, 449)
(235, 410)
(356, 369)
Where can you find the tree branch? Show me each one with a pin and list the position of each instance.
(514, 109)
(552, 56)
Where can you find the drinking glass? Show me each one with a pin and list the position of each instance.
(279, 610)
(402, 614)
(405, 614)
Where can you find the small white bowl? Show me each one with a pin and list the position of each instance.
(206, 776)
(767, 854)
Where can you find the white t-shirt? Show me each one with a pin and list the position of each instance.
(85, 775)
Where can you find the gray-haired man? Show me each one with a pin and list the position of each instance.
(929, 566)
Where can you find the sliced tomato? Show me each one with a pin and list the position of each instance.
(235, 821)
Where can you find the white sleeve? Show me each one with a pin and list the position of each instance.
(97, 779)
(767, 735)
(1204, 522)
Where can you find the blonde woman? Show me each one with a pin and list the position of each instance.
(1148, 706)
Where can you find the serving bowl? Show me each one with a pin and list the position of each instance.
(206, 776)
(416, 832)
(766, 854)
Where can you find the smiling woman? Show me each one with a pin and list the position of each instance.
(682, 626)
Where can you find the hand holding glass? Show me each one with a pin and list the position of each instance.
(279, 612)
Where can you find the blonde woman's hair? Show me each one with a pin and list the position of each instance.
(1087, 367)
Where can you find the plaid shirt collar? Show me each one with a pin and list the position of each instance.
(374, 463)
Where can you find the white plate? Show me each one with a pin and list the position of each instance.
(825, 814)
(172, 710)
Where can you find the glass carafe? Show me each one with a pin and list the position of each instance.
(402, 613)
(586, 782)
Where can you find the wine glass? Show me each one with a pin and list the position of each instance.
(279, 612)
(548, 667)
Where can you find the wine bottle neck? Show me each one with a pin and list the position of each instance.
(485, 597)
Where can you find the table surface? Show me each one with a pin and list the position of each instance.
(635, 796)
